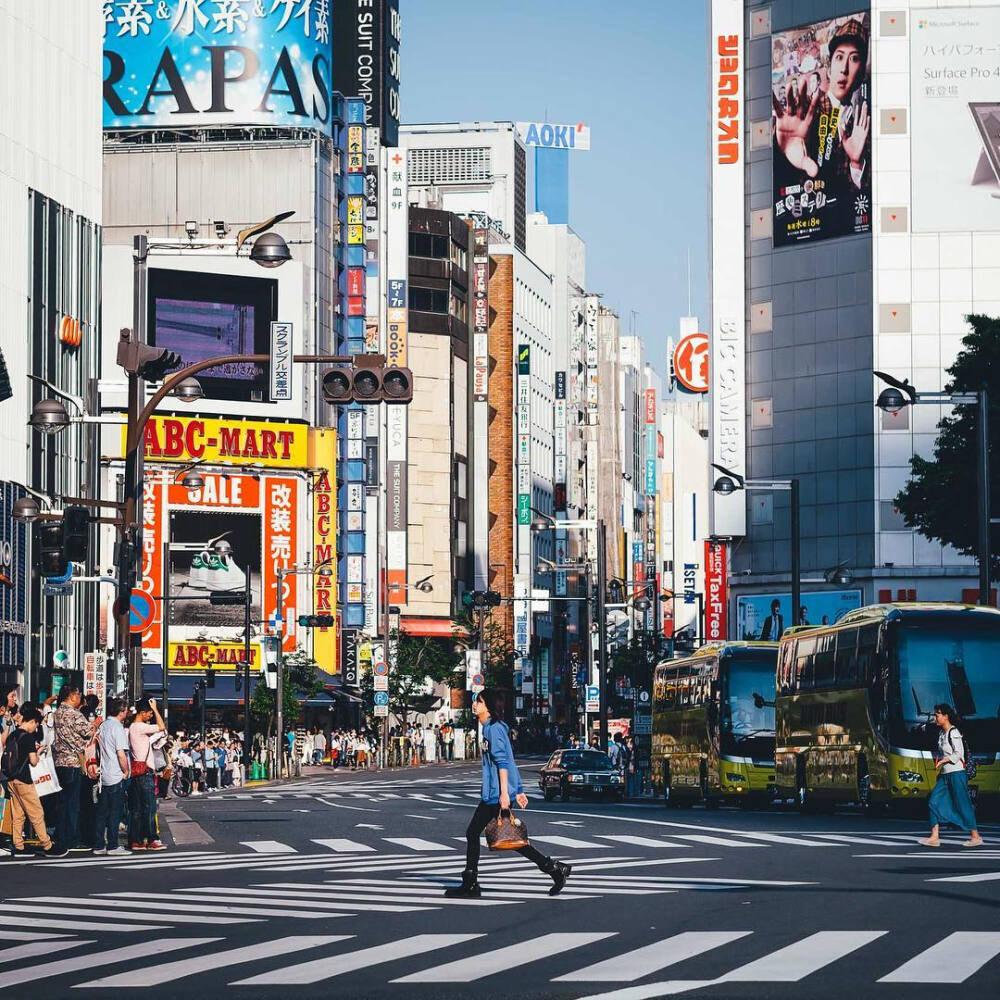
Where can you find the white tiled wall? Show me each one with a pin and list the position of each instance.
(942, 277)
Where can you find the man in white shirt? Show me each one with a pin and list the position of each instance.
(112, 743)
(319, 746)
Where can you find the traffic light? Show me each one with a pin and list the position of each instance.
(198, 695)
(315, 621)
(149, 363)
(127, 562)
(481, 599)
(367, 384)
(76, 534)
(47, 545)
(227, 597)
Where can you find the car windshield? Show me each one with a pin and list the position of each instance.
(586, 760)
(750, 675)
(955, 663)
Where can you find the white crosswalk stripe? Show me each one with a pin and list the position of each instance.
(567, 842)
(977, 877)
(342, 846)
(624, 838)
(705, 838)
(798, 960)
(336, 965)
(418, 844)
(952, 960)
(467, 970)
(267, 847)
(642, 962)
(168, 972)
(22, 952)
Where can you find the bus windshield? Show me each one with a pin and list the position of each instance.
(957, 663)
(749, 675)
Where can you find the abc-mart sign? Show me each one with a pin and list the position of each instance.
(184, 63)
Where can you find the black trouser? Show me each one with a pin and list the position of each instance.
(486, 811)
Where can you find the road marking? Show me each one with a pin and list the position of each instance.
(74, 925)
(29, 935)
(336, 965)
(842, 838)
(979, 877)
(146, 950)
(322, 901)
(587, 866)
(342, 846)
(239, 905)
(36, 948)
(467, 970)
(704, 838)
(624, 838)
(798, 960)
(951, 960)
(417, 844)
(114, 914)
(775, 838)
(171, 971)
(267, 847)
(632, 965)
(568, 842)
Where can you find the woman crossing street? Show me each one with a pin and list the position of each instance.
(500, 780)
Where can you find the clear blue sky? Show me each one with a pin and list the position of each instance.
(636, 72)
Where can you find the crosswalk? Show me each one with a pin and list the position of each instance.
(603, 963)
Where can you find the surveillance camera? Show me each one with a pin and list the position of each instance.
(221, 229)
(191, 228)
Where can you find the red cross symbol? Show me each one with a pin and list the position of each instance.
(397, 159)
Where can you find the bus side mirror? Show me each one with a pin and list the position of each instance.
(758, 700)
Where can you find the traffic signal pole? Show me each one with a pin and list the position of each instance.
(602, 633)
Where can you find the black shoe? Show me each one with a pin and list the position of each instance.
(55, 852)
(468, 889)
(559, 874)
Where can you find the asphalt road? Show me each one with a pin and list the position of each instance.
(331, 885)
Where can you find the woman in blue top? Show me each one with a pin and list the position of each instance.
(500, 781)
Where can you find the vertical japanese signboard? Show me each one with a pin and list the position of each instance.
(728, 280)
(323, 456)
(281, 362)
(716, 592)
(480, 314)
(523, 434)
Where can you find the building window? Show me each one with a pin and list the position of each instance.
(433, 300)
(429, 245)
(459, 257)
(459, 309)
(449, 166)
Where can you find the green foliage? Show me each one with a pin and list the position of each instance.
(299, 678)
(940, 498)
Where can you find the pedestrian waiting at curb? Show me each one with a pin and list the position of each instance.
(142, 804)
(500, 780)
(112, 742)
(950, 801)
(72, 732)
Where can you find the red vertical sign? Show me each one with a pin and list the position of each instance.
(716, 592)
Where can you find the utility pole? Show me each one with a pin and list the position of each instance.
(602, 637)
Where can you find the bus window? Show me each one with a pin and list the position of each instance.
(867, 643)
(823, 660)
(847, 657)
(803, 663)
(786, 667)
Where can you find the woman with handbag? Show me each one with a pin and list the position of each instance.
(950, 801)
(500, 780)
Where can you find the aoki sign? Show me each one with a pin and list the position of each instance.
(170, 63)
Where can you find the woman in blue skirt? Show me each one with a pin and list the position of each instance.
(950, 801)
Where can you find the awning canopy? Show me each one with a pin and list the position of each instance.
(432, 627)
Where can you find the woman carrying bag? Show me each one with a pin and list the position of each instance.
(500, 779)
(949, 801)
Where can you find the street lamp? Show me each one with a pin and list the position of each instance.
(25, 510)
(899, 394)
(49, 417)
(729, 482)
(839, 575)
(189, 390)
(270, 250)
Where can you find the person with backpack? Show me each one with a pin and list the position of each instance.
(500, 780)
(950, 801)
(20, 754)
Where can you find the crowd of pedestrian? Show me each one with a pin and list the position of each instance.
(348, 748)
(79, 780)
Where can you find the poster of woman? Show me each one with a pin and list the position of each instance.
(821, 107)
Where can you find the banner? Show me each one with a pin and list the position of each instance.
(821, 113)
(323, 456)
(955, 120)
(716, 592)
(766, 616)
(226, 63)
(222, 657)
(224, 440)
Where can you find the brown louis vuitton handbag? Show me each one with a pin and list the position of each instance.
(506, 832)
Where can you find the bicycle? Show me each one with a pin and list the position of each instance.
(180, 783)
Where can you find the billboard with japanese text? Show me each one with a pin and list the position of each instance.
(821, 115)
(955, 119)
(170, 63)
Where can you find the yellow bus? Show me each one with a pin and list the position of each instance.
(713, 725)
(855, 702)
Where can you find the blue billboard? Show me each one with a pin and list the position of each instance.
(184, 63)
(766, 616)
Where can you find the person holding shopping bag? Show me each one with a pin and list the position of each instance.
(950, 802)
(500, 781)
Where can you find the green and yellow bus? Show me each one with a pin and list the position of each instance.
(713, 725)
(855, 701)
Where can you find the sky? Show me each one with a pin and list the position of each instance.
(636, 72)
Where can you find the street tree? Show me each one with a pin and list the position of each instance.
(300, 678)
(939, 500)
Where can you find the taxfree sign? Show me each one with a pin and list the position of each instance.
(212, 62)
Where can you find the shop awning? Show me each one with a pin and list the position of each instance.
(344, 695)
(438, 628)
(320, 699)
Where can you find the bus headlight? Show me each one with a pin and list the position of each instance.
(616, 779)
(733, 777)
(576, 778)
(911, 776)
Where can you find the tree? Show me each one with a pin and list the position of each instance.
(299, 678)
(940, 499)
